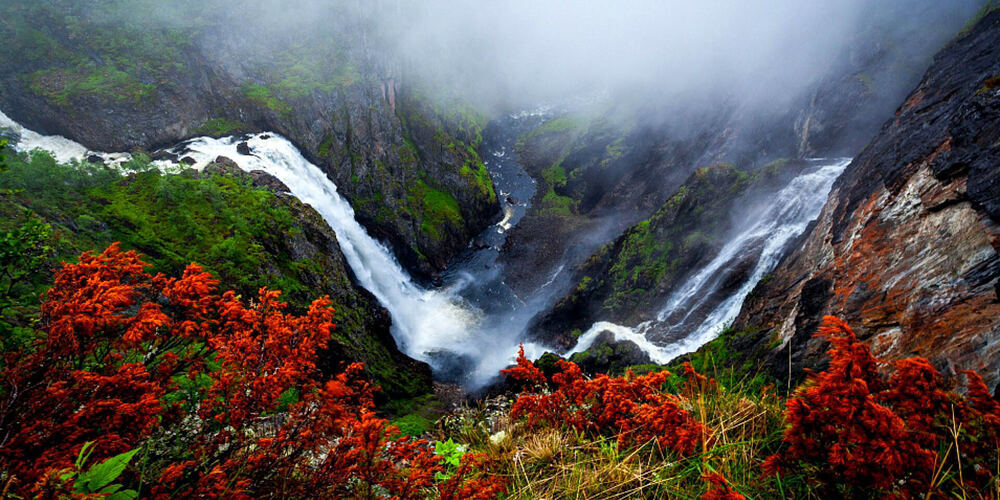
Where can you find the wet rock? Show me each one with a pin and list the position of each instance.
(164, 155)
(228, 163)
(12, 136)
(906, 248)
(268, 181)
(512, 200)
(95, 159)
(607, 355)
(243, 148)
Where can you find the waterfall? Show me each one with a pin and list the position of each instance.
(437, 326)
(433, 325)
(441, 326)
(767, 236)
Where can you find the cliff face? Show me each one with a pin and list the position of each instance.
(77, 70)
(598, 175)
(906, 248)
(628, 280)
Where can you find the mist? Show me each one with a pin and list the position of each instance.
(516, 53)
(759, 52)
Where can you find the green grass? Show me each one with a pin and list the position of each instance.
(439, 210)
(556, 204)
(218, 127)
(263, 95)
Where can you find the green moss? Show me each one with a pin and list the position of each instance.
(559, 124)
(555, 204)
(262, 94)
(413, 425)
(439, 210)
(107, 82)
(866, 81)
(217, 127)
(555, 175)
(325, 148)
(475, 170)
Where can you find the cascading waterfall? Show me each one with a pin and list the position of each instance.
(432, 325)
(767, 236)
(443, 326)
(428, 324)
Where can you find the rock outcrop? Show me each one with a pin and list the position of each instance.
(599, 175)
(628, 280)
(411, 172)
(906, 247)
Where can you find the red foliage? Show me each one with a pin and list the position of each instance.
(850, 427)
(525, 372)
(475, 479)
(125, 356)
(719, 488)
(634, 409)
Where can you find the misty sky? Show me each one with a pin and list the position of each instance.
(541, 50)
(537, 48)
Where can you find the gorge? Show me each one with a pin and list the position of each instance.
(657, 246)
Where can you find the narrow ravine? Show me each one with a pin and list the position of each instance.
(469, 328)
(690, 317)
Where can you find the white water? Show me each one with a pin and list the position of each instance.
(437, 325)
(429, 324)
(787, 216)
(61, 148)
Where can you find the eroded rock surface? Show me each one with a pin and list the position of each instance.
(906, 248)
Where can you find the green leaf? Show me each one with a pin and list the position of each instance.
(102, 474)
(450, 451)
(124, 495)
(84, 454)
(111, 488)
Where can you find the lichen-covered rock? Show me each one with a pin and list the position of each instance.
(906, 248)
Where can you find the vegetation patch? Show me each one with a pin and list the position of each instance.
(440, 210)
(262, 94)
(218, 127)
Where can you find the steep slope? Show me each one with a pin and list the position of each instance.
(245, 229)
(906, 248)
(627, 280)
(614, 164)
(121, 79)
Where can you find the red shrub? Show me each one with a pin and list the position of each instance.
(633, 409)
(851, 429)
(719, 488)
(123, 355)
(475, 479)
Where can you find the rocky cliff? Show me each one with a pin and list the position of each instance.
(119, 79)
(602, 170)
(628, 279)
(906, 247)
